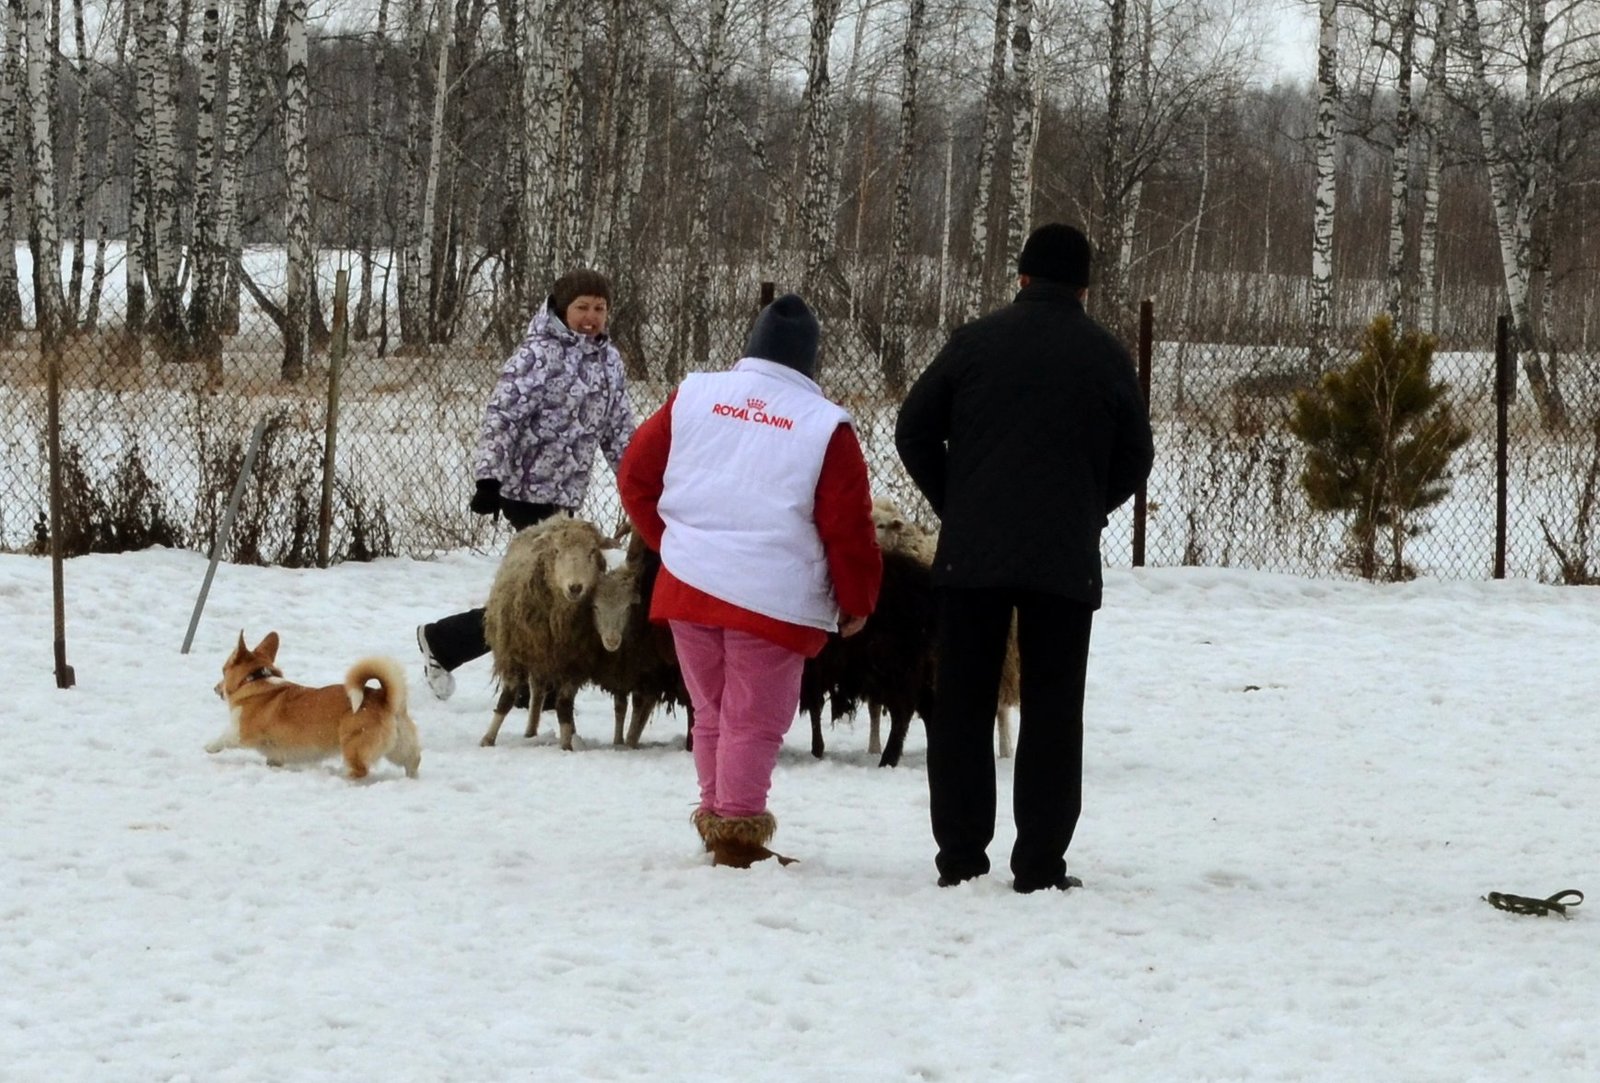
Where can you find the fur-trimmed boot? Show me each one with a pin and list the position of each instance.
(741, 841)
(703, 818)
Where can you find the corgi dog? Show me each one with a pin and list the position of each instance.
(290, 723)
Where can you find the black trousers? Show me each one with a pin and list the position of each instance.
(1053, 649)
(459, 638)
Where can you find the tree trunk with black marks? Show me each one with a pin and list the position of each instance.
(10, 131)
(79, 193)
(894, 318)
(1402, 299)
(1327, 146)
(165, 239)
(713, 76)
(1019, 201)
(1514, 182)
(228, 182)
(427, 261)
(43, 230)
(988, 147)
(361, 322)
(1434, 104)
(206, 258)
(297, 176)
(815, 212)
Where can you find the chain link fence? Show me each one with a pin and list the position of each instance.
(151, 449)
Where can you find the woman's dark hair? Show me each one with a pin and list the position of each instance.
(577, 283)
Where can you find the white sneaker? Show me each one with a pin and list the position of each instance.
(440, 680)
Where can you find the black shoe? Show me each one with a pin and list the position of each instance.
(1028, 887)
(950, 880)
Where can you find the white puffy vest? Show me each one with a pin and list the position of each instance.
(740, 489)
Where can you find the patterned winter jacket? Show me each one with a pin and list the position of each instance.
(559, 397)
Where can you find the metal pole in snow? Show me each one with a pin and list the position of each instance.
(225, 530)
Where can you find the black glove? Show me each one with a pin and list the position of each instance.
(486, 500)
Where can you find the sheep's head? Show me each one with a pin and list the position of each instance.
(890, 523)
(575, 559)
(614, 598)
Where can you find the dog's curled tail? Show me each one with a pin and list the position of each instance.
(391, 680)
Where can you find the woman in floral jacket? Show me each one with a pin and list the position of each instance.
(561, 397)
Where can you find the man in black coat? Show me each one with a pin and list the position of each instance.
(1024, 433)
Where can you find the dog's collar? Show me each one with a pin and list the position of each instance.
(261, 674)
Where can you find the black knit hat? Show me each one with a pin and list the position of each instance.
(1057, 253)
(786, 331)
(577, 283)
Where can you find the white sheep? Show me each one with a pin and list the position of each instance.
(538, 620)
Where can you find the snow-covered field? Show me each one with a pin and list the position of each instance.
(1296, 792)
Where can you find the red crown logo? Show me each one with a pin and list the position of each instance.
(756, 404)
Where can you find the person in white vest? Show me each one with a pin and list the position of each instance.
(751, 485)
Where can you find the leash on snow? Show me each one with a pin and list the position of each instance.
(1522, 904)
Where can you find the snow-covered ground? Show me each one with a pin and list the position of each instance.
(1296, 792)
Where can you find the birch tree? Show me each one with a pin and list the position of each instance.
(1022, 127)
(230, 170)
(428, 296)
(10, 121)
(844, 135)
(1401, 295)
(298, 186)
(626, 176)
(48, 299)
(371, 171)
(78, 193)
(571, 216)
(988, 148)
(1434, 101)
(815, 212)
(1114, 179)
(164, 241)
(542, 83)
(97, 275)
(1327, 138)
(136, 301)
(413, 299)
(206, 260)
(771, 222)
(713, 74)
(1516, 183)
(621, 254)
(894, 321)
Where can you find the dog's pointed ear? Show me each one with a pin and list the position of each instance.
(238, 651)
(268, 647)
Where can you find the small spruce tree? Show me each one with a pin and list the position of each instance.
(1379, 436)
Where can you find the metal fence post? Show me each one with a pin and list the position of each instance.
(1147, 321)
(225, 530)
(1504, 377)
(50, 341)
(330, 436)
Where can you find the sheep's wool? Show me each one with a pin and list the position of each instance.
(741, 483)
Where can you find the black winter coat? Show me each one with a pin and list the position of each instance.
(1024, 433)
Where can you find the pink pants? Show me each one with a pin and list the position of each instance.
(746, 692)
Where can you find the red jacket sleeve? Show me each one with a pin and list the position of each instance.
(843, 513)
(642, 475)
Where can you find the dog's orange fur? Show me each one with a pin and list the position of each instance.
(290, 723)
